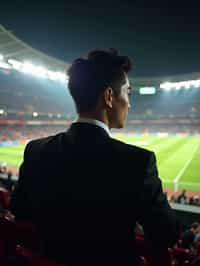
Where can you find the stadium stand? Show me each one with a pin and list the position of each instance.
(25, 94)
(22, 95)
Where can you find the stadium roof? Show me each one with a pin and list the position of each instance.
(157, 80)
(12, 47)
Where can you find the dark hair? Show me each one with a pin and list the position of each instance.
(89, 76)
(195, 225)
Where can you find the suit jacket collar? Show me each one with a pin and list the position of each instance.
(94, 122)
(87, 129)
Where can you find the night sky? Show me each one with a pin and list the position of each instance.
(162, 38)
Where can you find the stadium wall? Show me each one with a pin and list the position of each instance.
(12, 143)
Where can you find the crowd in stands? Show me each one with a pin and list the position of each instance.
(26, 132)
(11, 133)
(25, 93)
(152, 127)
(190, 237)
(171, 104)
(189, 240)
(182, 198)
(28, 94)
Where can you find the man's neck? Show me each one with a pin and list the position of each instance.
(93, 121)
(94, 116)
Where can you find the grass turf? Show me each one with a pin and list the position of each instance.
(178, 158)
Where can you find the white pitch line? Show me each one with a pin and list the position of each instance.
(185, 166)
(190, 184)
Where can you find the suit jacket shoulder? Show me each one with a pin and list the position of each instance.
(38, 148)
(139, 154)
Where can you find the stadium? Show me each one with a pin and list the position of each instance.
(164, 117)
(35, 102)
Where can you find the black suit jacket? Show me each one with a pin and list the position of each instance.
(85, 191)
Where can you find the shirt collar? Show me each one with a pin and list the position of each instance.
(93, 122)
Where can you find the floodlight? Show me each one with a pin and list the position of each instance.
(177, 85)
(166, 86)
(1, 57)
(35, 114)
(15, 64)
(28, 68)
(52, 75)
(1, 111)
(187, 86)
(4, 65)
(61, 76)
(196, 83)
(41, 72)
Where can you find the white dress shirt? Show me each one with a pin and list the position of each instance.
(93, 122)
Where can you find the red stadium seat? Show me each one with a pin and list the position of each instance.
(18, 233)
(181, 256)
(196, 249)
(143, 261)
(4, 198)
(27, 257)
(153, 256)
(12, 234)
(179, 243)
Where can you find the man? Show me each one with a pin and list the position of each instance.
(85, 190)
(182, 198)
(188, 237)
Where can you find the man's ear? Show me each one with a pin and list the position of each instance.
(108, 97)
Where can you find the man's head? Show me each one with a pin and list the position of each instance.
(195, 227)
(100, 86)
(183, 192)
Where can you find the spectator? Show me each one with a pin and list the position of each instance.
(138, 230)
(182, 198)
(173, 198)
(191, 200)
(188, 236)
(9, 183)
(3, 168)
(76, 186)
(197, 241)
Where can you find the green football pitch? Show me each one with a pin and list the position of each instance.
(178, 158)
